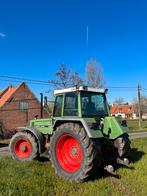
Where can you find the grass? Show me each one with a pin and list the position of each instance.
(38, 178)
(133, 125)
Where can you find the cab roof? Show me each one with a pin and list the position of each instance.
(81, 88)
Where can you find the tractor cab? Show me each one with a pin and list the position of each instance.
(90, 105)
(84, 102)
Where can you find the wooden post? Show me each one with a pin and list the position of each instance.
(139, 105)
(41, 105)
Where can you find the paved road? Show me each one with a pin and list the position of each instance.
(138, 135)
(4, 150)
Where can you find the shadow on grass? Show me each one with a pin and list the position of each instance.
(43, 159)
(98, 174)
(135, 155)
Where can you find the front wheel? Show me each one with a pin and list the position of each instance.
(73, 154)
(23, 147)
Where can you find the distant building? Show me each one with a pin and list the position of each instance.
(144, 111)
(18, 105)
(125, 111)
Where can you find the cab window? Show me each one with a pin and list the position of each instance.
(71, 104)
(58, 106)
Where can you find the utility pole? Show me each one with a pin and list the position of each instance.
(45, 101)
(139, 105)
(41, 105)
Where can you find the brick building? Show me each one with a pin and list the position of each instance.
(125, 111)
(18, 105)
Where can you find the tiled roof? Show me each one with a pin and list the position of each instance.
(126, 109)
(1, 91)
(6, 94)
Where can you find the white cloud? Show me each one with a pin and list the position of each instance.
(2, 35)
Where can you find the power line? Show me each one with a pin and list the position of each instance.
(24, 79)
(52, 82)
(121, 87)
(144, 89)
(6, 80)
(32, 81)
(15, 109)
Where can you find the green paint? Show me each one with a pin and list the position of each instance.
(113, 127)
(96, 133)
(44, 126)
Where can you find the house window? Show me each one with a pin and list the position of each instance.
(24, 106)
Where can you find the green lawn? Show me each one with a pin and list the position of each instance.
(38, 178)
(133, 125)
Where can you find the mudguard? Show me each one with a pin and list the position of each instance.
(90, 132)
(39, 137)
(114, 127)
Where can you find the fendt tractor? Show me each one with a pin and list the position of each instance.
(79, 138)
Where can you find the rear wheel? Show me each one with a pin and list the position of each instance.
(23, 146)
(73, 154)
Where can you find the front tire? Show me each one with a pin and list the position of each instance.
(23, 147)
(73, 154)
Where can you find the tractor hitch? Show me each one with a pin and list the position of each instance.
(124, 162)
(110, 170)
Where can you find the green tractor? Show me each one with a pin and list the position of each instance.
(80, 137)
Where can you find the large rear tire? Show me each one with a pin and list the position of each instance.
(23, 147)
(73, 154)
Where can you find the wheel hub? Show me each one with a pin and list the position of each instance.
(69, 153)
(22, 148)
(74, 151)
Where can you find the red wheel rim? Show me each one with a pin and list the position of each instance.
(69, 153)
(22, 148)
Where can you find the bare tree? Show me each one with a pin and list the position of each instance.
(63, 77)
(76, 80)
(119, 101)
(67, 78)
(94, 74)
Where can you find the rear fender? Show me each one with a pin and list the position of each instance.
(91, 133)
(39, 137)
(114, 127)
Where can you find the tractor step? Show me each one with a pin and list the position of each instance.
(46, 154)
(124, 162)
(110, 169)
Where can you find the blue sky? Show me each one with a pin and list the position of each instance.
(36, 36)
